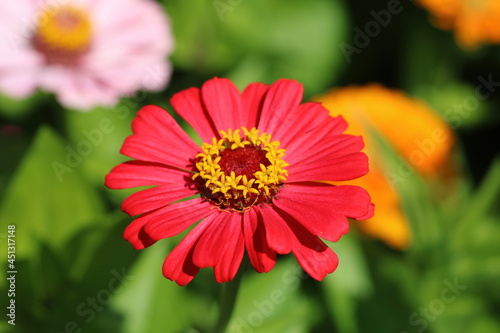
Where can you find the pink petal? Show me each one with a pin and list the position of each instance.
(177, 217)
(252, 100)
(261, 256)
(179, 266)
(155, 122)
(347, 167)
(154, 198)
(278, 234)
(153, 150)
(19, 84)
(138, 173)
(283, 97)
(22, 59)
(188, 105)
(222, 101)
(78, 88)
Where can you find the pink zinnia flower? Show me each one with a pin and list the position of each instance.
(87, 52)
(253, 184)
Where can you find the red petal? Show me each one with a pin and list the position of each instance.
(346, 200)
(318, 148)
(314, 256)
(135, 234)
(278, 234)
(368, 215)
(252, 100)
(261, 256)
(283, 97)
(304, 121)
(154, 198)
(222, 101)
(153, 150)
(188, 104)
(347, 167)
(155, 122)
(321, 208)
(139, 173)
(230, 261)
(179, 266)
(221, 246)
(176, 217)
(215, 240)
(310, 121)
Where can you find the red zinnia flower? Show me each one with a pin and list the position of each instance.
(253, 184)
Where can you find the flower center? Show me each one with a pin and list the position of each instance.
(237, 172)
(63, 34)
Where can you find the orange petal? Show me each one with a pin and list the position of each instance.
(474, 22)
(415, 132)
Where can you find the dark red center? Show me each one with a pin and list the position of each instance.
(58, 56)
(243, 161)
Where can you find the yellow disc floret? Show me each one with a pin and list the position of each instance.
(238, 171)
(64, 28)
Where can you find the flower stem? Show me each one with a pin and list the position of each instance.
(227, 299)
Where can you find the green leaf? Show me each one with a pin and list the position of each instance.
(487, 198)
(226, 39)
(45, 200)
(350, 282)
(280, 46)
(150, 302)
(433, 75)
(457, 103)
(96, 138)
(273, 302)
(18, 109)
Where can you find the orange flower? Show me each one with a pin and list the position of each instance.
(413, 129)
(474, 22)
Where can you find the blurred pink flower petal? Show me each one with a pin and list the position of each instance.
(86, 52)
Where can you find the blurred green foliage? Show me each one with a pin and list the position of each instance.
(77, 274)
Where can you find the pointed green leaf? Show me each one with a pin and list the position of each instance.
(46, 199)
